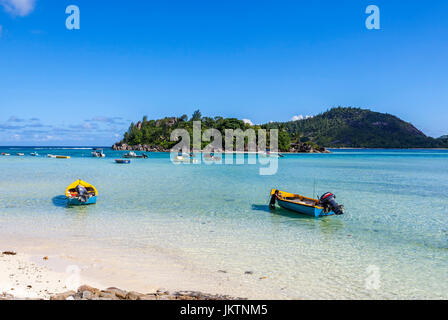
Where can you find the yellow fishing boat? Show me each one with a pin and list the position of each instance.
(81, 193)
(57, 157)
(325, 206)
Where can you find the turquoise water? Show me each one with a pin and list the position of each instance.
(216, 216)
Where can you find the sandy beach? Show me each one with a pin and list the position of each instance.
(28, 272)
(21, 278)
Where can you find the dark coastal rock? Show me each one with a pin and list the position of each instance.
(307, 148)
(146, 148)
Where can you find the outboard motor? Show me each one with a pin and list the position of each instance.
(328, 200)
(273, 199)
(83, 194)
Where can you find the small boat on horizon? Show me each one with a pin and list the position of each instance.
(81, 193)
(98, 153)
(325, 206)
(20, 154)
(132, 154)
(34, 154)
(57, 157)
(123, 161)
(5, 154)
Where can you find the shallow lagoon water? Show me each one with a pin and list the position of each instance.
(391, 243)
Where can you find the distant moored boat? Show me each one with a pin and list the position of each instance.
(122, 161)
(57, 157)
(132, 154)
(98, 153)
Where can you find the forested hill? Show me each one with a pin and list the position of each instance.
(338, 127)
(154, 135)
(358, 128)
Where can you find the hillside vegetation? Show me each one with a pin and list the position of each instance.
(154, 135)
(358, 128)
(338, 127)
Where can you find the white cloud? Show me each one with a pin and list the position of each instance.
(247, 121)
(15, 119)
(300, 117)
(18, 7)
(296, 118)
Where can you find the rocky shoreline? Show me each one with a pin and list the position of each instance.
(86, 292)
(147, 148)
(295, 148)
(21, 278)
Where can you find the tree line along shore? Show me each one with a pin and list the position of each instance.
(336, 128)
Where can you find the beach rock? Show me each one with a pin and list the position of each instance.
(148, 297)
(63, 296)
(108, 296)
(87, 295)
(132, 295)
(117, 292)
(9, 253)
(162, 291)
(90, 289)
(182, 297)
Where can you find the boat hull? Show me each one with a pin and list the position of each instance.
(312, 209)
(122, 161)
(309, 211)
(76, 202)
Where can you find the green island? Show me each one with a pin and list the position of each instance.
(341, 127)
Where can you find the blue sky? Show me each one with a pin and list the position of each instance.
(257, 60)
